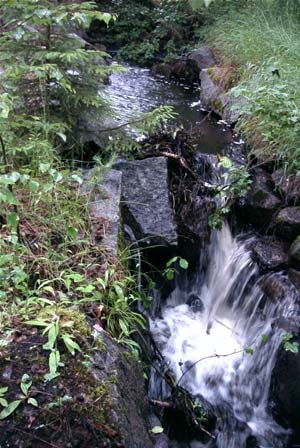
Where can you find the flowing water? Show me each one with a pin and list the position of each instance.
(137, 90)
(218, 334)
(220, 339)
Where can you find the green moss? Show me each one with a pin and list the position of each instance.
(217, 104)
(113, 379)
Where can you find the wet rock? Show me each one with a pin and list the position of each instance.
(195, 303)
(181, 69)
(277, 287)
(287, 223)
(270, 253)
(129, 410)
(104, 195)
(261, 201)
(214, 97)
(160, 440)
(288, 186)
(294, 277)
(285, 390)
(98, 399)
(195, 218)
(294, 253)
(203, 57)
(146, 207)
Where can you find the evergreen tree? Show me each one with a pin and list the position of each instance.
(49, 73)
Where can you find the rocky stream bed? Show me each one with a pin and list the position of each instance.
(241, 290)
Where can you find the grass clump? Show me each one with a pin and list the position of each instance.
(262, 39)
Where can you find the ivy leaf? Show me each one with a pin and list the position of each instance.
(291, 347)
(170, 274)
(184, 264)
(9, 409)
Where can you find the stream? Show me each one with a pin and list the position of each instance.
(218, 333)
(222, 344)
(137, 90)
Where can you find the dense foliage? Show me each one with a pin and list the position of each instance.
(49, 261)
(261, 39)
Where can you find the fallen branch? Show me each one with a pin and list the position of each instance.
(181, 160)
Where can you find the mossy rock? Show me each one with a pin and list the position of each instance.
(97, 400)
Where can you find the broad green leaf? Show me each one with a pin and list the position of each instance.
(33, 402)
(170, 274)
(54, 361)
(3, 390)
(71, 345)
(44, 167)
(34, 186)
(13, 220)
(37, 323)
(3, 402)
(226, 162)
(184, 264)
(157, 430)
(119, 291)
(77, 178)
(8, 410)
(172, 261)
(124, 327)
(50, 376)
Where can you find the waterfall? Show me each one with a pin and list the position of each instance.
(220, 339)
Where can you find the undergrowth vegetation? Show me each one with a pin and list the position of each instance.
(54, 278)
(159, 33)
(262, 39)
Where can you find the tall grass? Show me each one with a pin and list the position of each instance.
(262, 39)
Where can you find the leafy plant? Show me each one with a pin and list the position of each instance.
(9, 408)
(288, 345)
(171, 270)
(236, 184)
(56, 328)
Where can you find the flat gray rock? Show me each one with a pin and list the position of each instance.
(104, 195)
(145, 201)
(203, 57)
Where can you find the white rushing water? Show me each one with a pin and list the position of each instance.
(204, 333)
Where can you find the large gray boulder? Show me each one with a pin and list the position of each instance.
(294, 253)
(285, 389)
(145, 201)
(270, 253)
(213, 96)
(287, 223)
(288, 186)
(277, 287)
(103, 193)
(203, 57)
(98, 400)
(128, 410)
(261, 202)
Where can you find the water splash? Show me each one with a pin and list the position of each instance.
(221, 343)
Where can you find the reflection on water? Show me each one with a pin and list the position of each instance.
(137, 90)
